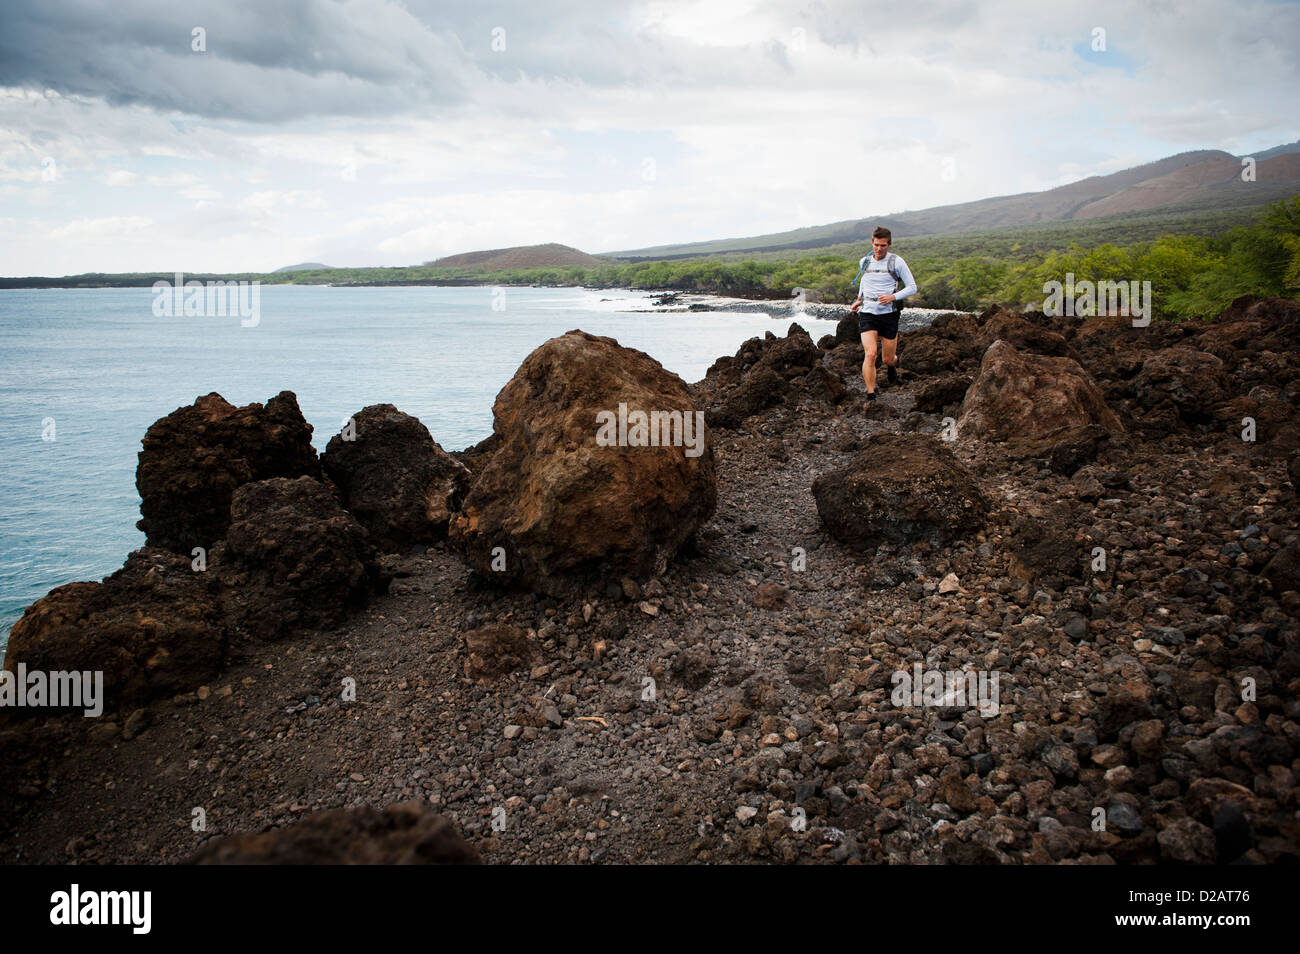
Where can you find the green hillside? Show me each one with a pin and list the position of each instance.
(1191, 183)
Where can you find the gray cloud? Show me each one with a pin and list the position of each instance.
(272, 62)
(264, 62)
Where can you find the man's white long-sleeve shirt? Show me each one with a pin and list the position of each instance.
(877, 281)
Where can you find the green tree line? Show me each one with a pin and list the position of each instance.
(1190, 275)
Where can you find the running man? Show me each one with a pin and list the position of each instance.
(880, 301)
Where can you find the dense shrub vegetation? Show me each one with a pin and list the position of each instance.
(1190, 275)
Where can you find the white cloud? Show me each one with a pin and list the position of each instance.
(114, 226)
(174, 179)
(202, 193)
(118, 177)
(272, 202)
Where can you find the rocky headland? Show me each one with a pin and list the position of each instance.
(546, 648)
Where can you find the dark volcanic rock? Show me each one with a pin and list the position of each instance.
(846, 330)
(760, 388)
(408, 833)
(1025, 335)
(899, 489)
(1283, 571)
(1122, 705)
(1192, 381)
(476, 456)
(1275, 421)
(933, 396)
(395, 479)
(31, 753)
(195, 458)
(846, 361)
(821, 385)
(1194, 688)
(1232, 835)
(153, 627)
(1018, 394)
(1066, 449)
(769, 371)
(1277, 314)
(293, 558)
(1102, 333)
(1044, 548)
(791, 356)
(498, 649)
(1187, 841)
(562, 506)
(164, 623)
(957, 852)
(927, 354)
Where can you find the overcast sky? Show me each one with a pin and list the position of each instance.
(368, 132)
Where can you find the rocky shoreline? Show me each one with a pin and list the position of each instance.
(545, 650)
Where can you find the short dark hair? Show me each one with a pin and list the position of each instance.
(884, 233)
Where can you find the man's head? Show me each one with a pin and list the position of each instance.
(881, 239)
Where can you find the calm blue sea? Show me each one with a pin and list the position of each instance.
(93, 368)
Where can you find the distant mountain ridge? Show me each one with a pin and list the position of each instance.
(520, 256)
(303, 267)
(1200, 180)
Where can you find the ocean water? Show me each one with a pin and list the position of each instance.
(86, 371)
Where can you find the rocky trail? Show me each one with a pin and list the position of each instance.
(720, 689)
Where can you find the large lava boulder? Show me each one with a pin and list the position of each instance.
(1278, 314)
(759, 388)
(407, 833)
(193, 460)
(846, 329)
(394, 478)
(1024, 395)
(792, 356)
(900, 488)
(561, 499)
(928, 354)
(1231, 340)
(947, 345)
(1276, 434)
(293, 558)
(1024, 334)
(1099, 333)
(765, 372)
(1191, 381)
(154, 628)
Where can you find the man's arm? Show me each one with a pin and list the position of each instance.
(909, 283)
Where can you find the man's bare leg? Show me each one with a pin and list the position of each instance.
(889, 351)
(869, 360)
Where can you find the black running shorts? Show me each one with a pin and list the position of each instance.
(886, 324)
